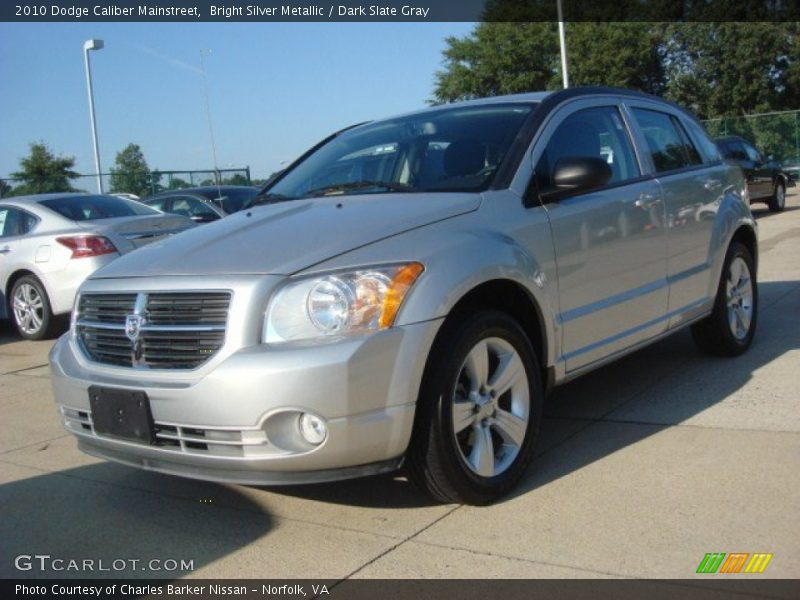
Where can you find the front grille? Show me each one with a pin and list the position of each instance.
(108, 308)
(173, 330)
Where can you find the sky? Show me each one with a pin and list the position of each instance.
(275, 89)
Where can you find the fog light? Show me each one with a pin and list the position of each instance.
(312, 428)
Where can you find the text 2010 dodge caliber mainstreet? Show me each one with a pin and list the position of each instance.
(407, 291)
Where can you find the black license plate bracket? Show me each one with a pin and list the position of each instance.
(122, 413)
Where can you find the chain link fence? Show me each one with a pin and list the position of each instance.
(141, 184)
(775, 134)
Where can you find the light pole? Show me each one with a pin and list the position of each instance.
(563, 41)
(208, 114)
(93, 45)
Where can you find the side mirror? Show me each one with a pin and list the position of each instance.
(575, 174)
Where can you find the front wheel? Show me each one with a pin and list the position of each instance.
(778, 201)
(479, 411)
(729, 330)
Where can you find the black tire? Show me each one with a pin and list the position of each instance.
(777, 202)
(49, 324)
(714, 334)
(435, 461)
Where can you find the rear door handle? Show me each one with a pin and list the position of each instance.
(712, 184)
(5, 250)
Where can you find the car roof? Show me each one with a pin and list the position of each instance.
(36, 198)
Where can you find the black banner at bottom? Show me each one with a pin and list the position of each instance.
(713, 588)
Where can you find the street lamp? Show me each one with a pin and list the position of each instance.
(93, 45)
(563, 42)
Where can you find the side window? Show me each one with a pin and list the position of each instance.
(158, 204)
(593, 132)
(192, 207)
(15, 222)
(691, 151)
(708, 149)
(666, 142)
(752, 153)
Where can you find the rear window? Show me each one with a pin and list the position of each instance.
(91, 208)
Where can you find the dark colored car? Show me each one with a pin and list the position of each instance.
(766, 181)
(204, 204)
(791, 166)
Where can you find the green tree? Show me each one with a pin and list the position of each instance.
(5, 188)
(507, 58)
(176, 183)
(496, 59)
(236, 179)
(728, 69)
(131, 173)
(42, 172)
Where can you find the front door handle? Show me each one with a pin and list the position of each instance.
(645, 200)
(5, 250)
(712, 184)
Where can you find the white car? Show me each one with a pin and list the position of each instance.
(50, 243)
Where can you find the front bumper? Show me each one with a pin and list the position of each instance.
(237, 421)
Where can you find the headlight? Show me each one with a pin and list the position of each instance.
(339, 303)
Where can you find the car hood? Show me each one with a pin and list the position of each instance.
(287, 237)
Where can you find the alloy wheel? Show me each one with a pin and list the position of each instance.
(739, 298)
(491, 407)
(28, 308)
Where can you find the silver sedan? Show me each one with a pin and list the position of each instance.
(50, 243)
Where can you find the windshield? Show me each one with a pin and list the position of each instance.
(89, 208)
(447, 150)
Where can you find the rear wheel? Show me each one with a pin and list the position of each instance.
(479, 411)
(778, 201)
(729, 330)
(30, 309)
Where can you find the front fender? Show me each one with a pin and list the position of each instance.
(459, 255)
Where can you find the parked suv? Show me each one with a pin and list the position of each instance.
(766, 180)
(408, 290)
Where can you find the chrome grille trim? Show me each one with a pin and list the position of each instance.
(153, 330)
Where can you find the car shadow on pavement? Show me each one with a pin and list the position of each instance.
(76, 514)
(672, 383)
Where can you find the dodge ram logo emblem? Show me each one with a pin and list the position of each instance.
(133, 324)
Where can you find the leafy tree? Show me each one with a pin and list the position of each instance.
(726, 69)
(42, 172)
(5, 189)
(176, 183)
(236, 179)
(496, 59)
(714, 68)
(507, 58)
(131, 173)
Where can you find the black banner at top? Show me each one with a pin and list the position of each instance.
(396, 10)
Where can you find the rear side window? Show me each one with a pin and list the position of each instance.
(705, 145)
(14, 222)
(593, 132)
(669, 146)
(90, 208)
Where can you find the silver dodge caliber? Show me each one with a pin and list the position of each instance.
(407, 291)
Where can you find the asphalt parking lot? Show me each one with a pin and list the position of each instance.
(644, 467)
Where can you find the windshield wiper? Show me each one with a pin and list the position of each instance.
(266, 199)
(394, 186)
